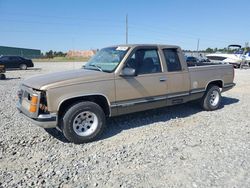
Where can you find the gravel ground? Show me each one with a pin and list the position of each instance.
(179, 146)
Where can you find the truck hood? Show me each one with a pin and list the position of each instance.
(60, 79)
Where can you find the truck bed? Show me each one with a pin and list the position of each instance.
(206, 71)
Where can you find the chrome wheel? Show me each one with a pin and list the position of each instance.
(214, 98)
(85, 123)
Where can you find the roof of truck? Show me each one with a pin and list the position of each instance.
(148, 45)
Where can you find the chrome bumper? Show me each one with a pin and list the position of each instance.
(45, 121)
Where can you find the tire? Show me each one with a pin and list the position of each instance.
(23, 66)
(83, 122)
(2, 77)
(212, 98)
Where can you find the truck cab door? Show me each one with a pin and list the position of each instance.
(147, 88)
(178, 81)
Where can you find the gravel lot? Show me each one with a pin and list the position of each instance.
(179, 146)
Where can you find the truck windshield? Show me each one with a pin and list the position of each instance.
(107, 59)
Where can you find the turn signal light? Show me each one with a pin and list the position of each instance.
(33, 105)
(33, 108)
(34, 100)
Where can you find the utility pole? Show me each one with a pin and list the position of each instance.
(127, 29)
(198, 44)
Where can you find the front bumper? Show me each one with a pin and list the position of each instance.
(45, 121)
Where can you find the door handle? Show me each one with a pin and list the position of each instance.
(163, 79)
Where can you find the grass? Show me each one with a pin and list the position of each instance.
(62, 59)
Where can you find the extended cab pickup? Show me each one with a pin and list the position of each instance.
(120, 80)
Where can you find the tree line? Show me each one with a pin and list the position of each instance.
(213, 50)
(51, 54)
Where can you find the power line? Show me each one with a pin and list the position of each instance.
(63, 23)
(59, 17)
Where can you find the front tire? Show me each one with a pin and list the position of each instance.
(212, 98)
(83, 122)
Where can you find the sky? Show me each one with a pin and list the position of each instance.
(62, 25)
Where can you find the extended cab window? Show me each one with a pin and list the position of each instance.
(145, 61)
(172, 60)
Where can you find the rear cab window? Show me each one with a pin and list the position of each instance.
(172, 60)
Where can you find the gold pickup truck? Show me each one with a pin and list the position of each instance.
(120, 80)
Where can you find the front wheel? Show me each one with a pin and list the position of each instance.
(83, 122)
(212, 98)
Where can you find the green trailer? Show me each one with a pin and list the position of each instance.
(23, 52)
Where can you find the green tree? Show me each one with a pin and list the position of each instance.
(209, 50)
(49, 54)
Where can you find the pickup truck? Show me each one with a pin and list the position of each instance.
(120, 80)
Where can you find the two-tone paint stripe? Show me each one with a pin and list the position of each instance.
(154, 99)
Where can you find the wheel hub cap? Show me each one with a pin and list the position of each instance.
(214, 98)
(85, 123)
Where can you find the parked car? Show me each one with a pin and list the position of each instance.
(120, 80)
(193, 61)
(16, 62)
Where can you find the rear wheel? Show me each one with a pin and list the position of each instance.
(83, 122)
(212, 98)
(23, 66)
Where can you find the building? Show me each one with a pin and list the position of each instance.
(23, 52)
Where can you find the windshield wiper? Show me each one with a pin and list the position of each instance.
(96, 66)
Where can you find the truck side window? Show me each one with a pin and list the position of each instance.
(145, 61)
(172, 60)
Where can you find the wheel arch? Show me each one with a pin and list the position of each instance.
(99, 99)
(218, 83)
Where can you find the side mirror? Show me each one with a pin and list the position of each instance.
(128, 72)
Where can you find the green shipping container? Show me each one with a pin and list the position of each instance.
(23, 52)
